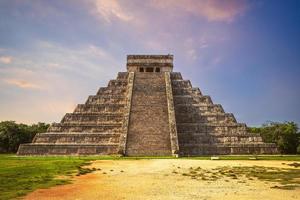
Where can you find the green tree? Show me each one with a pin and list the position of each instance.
(284, 135)
(13, 134)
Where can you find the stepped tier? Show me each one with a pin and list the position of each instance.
(148, 111)
(204, 128)
(67, 149)
(76, 138)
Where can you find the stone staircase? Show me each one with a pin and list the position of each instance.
(149, 133)
(93, 127)
(203, 128)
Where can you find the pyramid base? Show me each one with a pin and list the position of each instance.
(67, 149)
(228, 149)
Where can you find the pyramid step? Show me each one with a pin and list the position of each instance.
(186, 91)
(212, 128)
(181, 84)
(103, 99)
(117, 83)
(188, 99)
(77, 138)
(212, 139)
(67, 149)
(205, 118)
(122, 76)
(175, 76)
(87, 117)
(111, 90)
(85, 127)
(199, 108)
(99, 108)
(225, 149)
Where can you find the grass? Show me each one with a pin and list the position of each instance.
(287, 179)
(21, 175)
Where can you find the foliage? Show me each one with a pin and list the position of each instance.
(284, 135)
(13, 134)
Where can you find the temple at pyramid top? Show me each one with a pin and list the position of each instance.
(150, 63)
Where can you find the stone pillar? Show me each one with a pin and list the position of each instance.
(171, 114)
(123, 136)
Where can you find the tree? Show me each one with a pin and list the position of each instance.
(284, 135)
(13, 134)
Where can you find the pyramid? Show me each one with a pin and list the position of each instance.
(148, 111)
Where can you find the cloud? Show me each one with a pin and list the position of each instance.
(6, 59)
(212, 10)
(110, 9)
(22, 84)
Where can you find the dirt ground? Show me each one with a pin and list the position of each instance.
(164, 179)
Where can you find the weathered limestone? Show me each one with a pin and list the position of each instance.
(149, 132)
(148, 111)
(205, 129)
(96, 127)
(171, 114)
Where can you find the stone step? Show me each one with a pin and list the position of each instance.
(122, 76)
(117, 83)
(84, 127)
(68, 149)
(225, 149)
(217, 134)
(87, 117)
(205, 118)
(99, 108)
(186, 91)
(149, 133)
(212, 139)
(199, 108)
(212, 128)
(111, 90)
(104, 99)
(175, 76)
(188, 99)
(181, 84)
(77, 138)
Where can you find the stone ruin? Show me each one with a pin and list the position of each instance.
(148, 111)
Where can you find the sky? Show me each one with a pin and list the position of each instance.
(244, 54)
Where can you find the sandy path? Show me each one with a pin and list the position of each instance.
(155, 179)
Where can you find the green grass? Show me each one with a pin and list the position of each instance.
(21, 175)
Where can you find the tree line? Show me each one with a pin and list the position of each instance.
(285, 135)
(13, 134)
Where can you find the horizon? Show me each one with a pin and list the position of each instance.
(244, 54)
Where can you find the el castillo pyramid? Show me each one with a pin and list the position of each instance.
(148, 111)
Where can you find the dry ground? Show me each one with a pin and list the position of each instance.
(168, 179)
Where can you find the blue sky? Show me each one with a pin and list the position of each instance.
(244, 54)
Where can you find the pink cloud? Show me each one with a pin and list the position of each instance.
(212, 10)
(22, 84)
(6, 59)
(109, 9)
